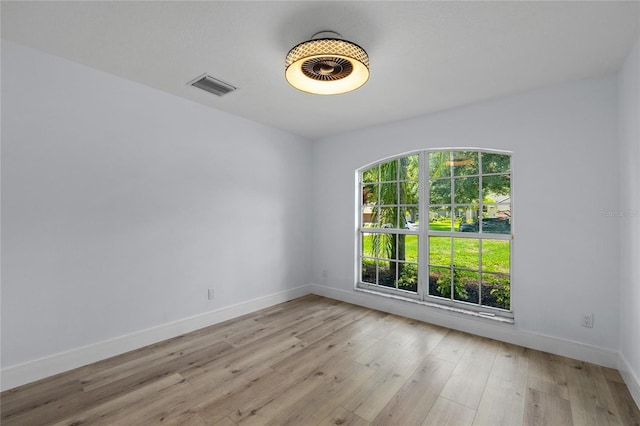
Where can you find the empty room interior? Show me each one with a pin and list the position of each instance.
(318, 212)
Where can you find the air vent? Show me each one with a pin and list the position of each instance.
(212, 85)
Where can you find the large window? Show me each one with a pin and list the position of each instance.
(436, 226)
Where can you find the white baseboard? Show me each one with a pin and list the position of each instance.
(20, 374)
(630, 378)
(481, 327)
(30, 371)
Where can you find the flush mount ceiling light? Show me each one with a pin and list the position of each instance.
(327, 65)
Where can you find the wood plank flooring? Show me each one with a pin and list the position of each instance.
(317, 361)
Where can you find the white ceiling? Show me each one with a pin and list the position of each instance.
(425, 56)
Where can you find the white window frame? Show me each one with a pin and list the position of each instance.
(422, 295)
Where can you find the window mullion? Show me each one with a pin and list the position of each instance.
(423, 214)
(452, 266)
(480, 215)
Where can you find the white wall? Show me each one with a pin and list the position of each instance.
(629, 220)
(566, 249)
(121, 205)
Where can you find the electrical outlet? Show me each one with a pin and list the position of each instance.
(587, 320)
(211, 294)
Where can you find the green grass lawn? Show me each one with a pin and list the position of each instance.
(441, 226)
(494, 255)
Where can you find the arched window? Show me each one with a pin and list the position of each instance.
(437, 226)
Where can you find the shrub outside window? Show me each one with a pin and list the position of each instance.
(437, 226)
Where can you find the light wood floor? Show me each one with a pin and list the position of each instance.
(318, 361)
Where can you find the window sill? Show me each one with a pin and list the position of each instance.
(476, 314)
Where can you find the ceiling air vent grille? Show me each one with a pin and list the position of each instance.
(212, 85)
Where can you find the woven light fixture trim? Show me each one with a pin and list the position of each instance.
(327, 66)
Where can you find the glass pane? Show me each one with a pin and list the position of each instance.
(409, 193)
(465, 286)
(466, 219)
(389, 193)
(401, 253)
(411, 248)
(370, 175)
(368, 219)
(466, 253)
(370, 245)
(369, 194)
(439, 164)
(389, 171)
(496, 189)
(408, 273)
(387, 245)
(440, 218)
(440, 191)
(386, 274)
(440, 251)
(495, 163)
(495, 225)
(496, 256)
(370, 216)
(409, 167)
(368, 271)
(467, 190)
(409, 216)
(389, 217)
(440, 282)
(504, 211)
(465, 163)
(496, 291)
(501, 211)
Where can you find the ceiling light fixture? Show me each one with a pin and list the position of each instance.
(327, 65)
